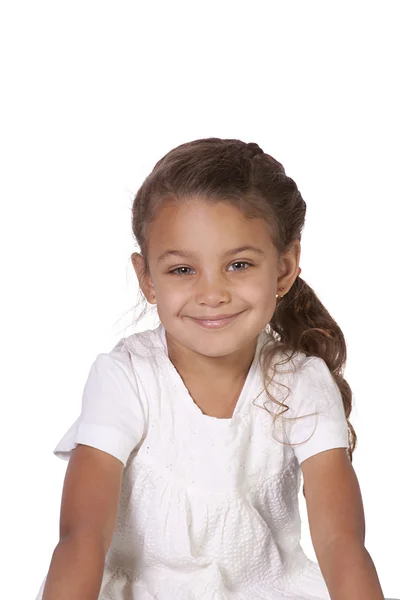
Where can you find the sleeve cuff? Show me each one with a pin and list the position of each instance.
(314, 446)
(107, 439)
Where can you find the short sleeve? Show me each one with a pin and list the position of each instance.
(316, 391)
(112, 416)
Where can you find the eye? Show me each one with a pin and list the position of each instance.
(179, 270)
(176, 271)
(241, 262)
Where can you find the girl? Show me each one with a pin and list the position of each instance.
(184, 471)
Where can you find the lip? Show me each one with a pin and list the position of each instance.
(216, 322)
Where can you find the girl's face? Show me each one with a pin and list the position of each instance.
(209, 260)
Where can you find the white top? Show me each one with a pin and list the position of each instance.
(209, 506)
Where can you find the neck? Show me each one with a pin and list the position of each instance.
(232, 368)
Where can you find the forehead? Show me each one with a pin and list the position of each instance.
(205, 228)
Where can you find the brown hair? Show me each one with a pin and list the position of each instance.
(230, 170)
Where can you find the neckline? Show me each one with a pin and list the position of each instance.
(185, 396)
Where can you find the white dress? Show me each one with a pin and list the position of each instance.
(209, 506)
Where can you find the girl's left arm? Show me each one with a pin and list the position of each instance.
(337, 526)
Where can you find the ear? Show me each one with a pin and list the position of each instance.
(144, 279)
(288, 267)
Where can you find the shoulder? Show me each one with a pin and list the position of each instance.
(115, 376)
(141, 347)
(314, 379)
(302, 370)
(133, 353)
(303, 382)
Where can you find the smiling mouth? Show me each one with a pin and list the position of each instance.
(218, 318)
(216, 322)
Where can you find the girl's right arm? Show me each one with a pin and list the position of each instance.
(89, 509)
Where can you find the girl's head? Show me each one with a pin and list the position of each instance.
(206, 199)
(203, 201)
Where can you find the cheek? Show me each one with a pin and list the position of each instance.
(260, 290)
(260, 298)
(170, 294)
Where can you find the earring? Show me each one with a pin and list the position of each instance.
(281, 289)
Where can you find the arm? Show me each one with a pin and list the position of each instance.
(337, 526)
(88, 514)
(349, 571)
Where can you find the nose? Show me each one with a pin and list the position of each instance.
(212, 291)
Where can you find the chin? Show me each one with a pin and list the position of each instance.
(218, 342)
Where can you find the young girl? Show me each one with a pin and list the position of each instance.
(186, 461)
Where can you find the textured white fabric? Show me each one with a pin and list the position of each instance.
(208, 507)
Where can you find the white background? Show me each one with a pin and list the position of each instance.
(92, 95)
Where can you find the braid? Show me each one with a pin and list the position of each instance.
(252, 149)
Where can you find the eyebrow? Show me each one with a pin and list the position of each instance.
(187, 254)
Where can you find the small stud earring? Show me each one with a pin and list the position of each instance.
(281, 290)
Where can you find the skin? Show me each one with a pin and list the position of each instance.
(211, 284)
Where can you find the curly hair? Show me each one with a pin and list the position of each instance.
(240, 173)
